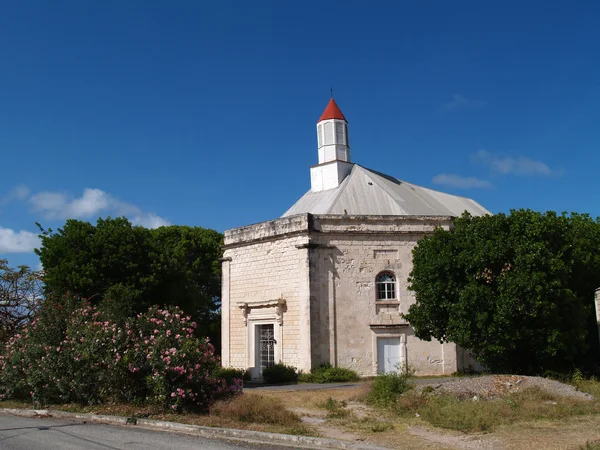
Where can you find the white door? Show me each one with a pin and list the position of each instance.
(388, 355)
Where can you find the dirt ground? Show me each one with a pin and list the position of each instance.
(340, 414)
(353, 420)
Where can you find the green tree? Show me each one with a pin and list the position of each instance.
(187, 268)
(516, 290)
(126, 269)
(21, 294)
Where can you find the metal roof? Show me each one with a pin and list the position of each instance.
(366, 192)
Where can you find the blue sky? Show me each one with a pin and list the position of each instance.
(204, 113)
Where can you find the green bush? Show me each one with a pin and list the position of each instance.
(76, 355)
(231, 373)
(305, 377)
(280, 373)
(387, 387)
(326, 373)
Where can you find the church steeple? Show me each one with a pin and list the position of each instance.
(332, 135)
(334, 150)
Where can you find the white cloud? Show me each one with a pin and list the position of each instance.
(513, 166)
(17, 242)
(19, 192)
(459, 182)
(91, 204)
(149, 220)
(460, 101)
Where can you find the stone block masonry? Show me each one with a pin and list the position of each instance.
(313, 278)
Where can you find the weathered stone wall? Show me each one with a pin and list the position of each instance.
(324, 267)
(265, 262)
(346, 318)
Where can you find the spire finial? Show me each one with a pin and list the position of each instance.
(331, 91)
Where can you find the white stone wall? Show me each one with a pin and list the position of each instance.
(324, 267)
(267, 270)
(347, 319)
(266, 262)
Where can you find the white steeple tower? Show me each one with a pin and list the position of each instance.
(334, 150)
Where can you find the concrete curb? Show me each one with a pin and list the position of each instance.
(208, 432)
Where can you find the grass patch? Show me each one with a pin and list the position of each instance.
(591, 386)
(446, 411)
(387, 387)
(255, 409)
(314, 399)
(336, 409)
(245, 411)
(379, 427)
(590, 446)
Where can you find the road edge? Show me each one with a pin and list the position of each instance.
(208, 432)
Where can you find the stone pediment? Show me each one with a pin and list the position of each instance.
(278, 303)
(261, 303)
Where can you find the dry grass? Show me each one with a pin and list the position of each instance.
(247, 412)
(590, 386)
(336, 409)
(312, 399)
(522, 421)
(255, 409)
(566, 434)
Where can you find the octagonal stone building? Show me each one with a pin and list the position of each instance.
(327, 281)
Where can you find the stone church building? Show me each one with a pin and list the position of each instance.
(327, 281)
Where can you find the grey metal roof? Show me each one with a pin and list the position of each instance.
(366, 192)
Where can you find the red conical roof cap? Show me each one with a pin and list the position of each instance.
(332, 112)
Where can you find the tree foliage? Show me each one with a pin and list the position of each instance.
(516, 290)
(21, 294)
(125, 269)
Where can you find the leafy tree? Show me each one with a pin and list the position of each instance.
(517, 290)
(187, 268)
(21, 294)
(126, 269)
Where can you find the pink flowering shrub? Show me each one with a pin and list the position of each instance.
(153, 357)
(177, 367)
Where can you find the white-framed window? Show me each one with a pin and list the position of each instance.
(320, 135)
(385, 284)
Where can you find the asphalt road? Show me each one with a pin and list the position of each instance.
(23, 433)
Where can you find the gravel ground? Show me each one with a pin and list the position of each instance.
(495, 385)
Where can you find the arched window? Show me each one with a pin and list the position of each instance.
(386, 286)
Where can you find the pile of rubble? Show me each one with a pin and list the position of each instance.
(493, 386)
